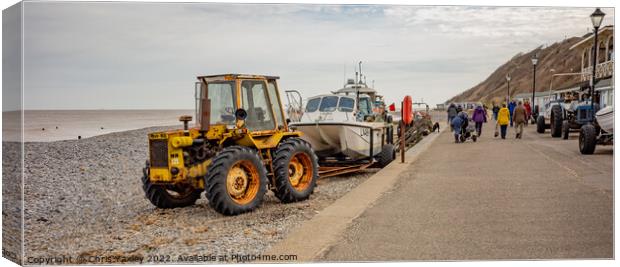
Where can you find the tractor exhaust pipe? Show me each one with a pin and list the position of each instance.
(205, 103)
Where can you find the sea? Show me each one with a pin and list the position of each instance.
(55, 125)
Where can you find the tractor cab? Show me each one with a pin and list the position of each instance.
(254, 97)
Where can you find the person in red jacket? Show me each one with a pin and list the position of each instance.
(528, 111)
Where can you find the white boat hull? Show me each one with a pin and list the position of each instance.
(329, 139)
(605, 119)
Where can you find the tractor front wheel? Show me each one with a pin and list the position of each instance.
(296, 170)
(565, 130)
(168, 196)
(587, 139)
(556, 121)
(236, 181)
(540, 124)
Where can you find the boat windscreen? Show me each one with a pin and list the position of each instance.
(313, 104)
(346, 104)
(329, 104)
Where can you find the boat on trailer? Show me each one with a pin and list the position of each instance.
(345, 125)
(605, 119)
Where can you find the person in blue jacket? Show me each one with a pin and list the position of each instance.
(511, 109)
(458, 123)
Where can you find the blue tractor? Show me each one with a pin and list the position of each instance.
(576, 115)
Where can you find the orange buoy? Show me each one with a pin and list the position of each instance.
(406, 112)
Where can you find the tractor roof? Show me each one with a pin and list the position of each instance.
(232, 76)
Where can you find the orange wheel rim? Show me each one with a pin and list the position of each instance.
(300, 171)
(242, 182)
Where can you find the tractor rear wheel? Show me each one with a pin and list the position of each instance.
(540, 124)
(296, 170)
(168, 196)
(556, 121)
(587, 139)
(236, 181)
(565, 130)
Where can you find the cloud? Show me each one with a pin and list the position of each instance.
(146, 55)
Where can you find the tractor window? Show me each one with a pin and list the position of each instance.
(222, 103)
(273, 97)
(256, 103)
(329, 104)
(346, 104)
(313, 104)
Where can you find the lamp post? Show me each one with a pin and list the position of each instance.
(597, 19)
(534, 62)
(508, 96)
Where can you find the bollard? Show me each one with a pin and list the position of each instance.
(402, 135)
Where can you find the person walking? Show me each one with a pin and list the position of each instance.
(458, 122)
(519, 117)
(479, 117)
(503, 118)
(511, 109)
(451, 113)
(495, 111)
(528, 112)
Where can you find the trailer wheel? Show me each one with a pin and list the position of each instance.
(389, 131)
(587, 139)
(386, 156)
(556, 121)
(168, 197)
(565, 130)
(540, 124)
(296, 170)
(236, 181)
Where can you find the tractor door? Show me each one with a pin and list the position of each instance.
(255, 100)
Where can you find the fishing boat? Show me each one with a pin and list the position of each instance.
(348, 124)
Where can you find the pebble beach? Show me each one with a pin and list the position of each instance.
(84, 198)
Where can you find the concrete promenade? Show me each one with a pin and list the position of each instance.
(534, 198)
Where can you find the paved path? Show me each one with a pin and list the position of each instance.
(535, 198)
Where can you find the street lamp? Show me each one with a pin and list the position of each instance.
(508, 96)
(597, 19)
(534, 62)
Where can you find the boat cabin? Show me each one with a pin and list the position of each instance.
(337, 108)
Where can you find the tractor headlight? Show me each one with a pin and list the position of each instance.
(181, 141)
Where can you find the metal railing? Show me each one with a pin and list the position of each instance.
(604, 69)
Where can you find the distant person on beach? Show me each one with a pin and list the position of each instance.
(519, 117)
(479, 117)
(528, 112)
(511, 109)
(503, 118)
(495, 111)
(451, 113)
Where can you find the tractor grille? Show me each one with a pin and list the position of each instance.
(159, 153)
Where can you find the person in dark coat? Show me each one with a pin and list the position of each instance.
(479, 117)
(495, 111)
(451, 113)
(511, 109)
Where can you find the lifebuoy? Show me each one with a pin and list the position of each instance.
(407, 113)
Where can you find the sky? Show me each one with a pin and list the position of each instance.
(147, 55)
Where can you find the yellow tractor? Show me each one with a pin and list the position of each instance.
(240, 147)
